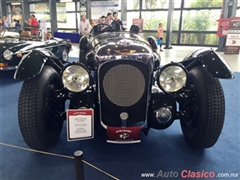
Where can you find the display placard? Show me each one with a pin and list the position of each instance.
(80, 124)
(138, 22)
(233, 40)
(233, 37)
(232, 50)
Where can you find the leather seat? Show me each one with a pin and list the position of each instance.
(25, 34)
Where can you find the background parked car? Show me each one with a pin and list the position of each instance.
(14, 46)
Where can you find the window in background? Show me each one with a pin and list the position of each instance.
(61, 12)
(70, 21)
(155, 4)
(200, 20)
(176, 18)
(70, 6)
(202, 3)
(41, 11)
(199, 38)
(78, 19)
(174, 38)
(130, 17)
(177, 3)
(39, 8)
(133, 5)
(78, 6)
(153, 18)
(238, 13)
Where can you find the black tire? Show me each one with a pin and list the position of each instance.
(65, 56)
(206, 109)
(36, 110)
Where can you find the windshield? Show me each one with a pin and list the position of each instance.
(116, 38)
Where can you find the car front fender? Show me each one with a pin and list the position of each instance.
(33, 62)
(215, 64)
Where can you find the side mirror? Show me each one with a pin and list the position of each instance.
(152, 42)
(90, 60)
(157, 60)
(134, 29)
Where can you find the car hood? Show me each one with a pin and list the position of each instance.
(120, 45)
(17, 46)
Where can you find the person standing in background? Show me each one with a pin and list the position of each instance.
(107, 21)
(34, 22)
(1, 23)
(116, 20)
(91, 22)
(84, 26)
(110, 18)
(6, 21)
(17, 24)
(160, 34)
(13, 24)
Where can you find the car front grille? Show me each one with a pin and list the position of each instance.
(123, 88)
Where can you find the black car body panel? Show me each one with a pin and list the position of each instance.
(27, 68)
(216, 66)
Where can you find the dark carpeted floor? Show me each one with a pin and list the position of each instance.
(161, 151)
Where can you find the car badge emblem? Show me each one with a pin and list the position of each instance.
(125, 52)
(124, 136)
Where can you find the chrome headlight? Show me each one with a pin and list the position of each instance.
(7, 55)
(172, 78)
(75, 78)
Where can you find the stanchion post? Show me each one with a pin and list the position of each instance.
(79, 171)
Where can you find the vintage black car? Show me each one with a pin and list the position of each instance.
(119, 77)
(16, 42)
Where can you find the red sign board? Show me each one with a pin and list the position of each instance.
(139, 22)
(123, 135)
(223, 25)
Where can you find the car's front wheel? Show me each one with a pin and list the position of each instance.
(38, 110)
(204, 109)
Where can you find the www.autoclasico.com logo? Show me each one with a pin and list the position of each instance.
(189, 174)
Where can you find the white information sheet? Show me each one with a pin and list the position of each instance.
(79, 124)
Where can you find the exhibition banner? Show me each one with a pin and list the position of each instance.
(80, 124)
(101, 8)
